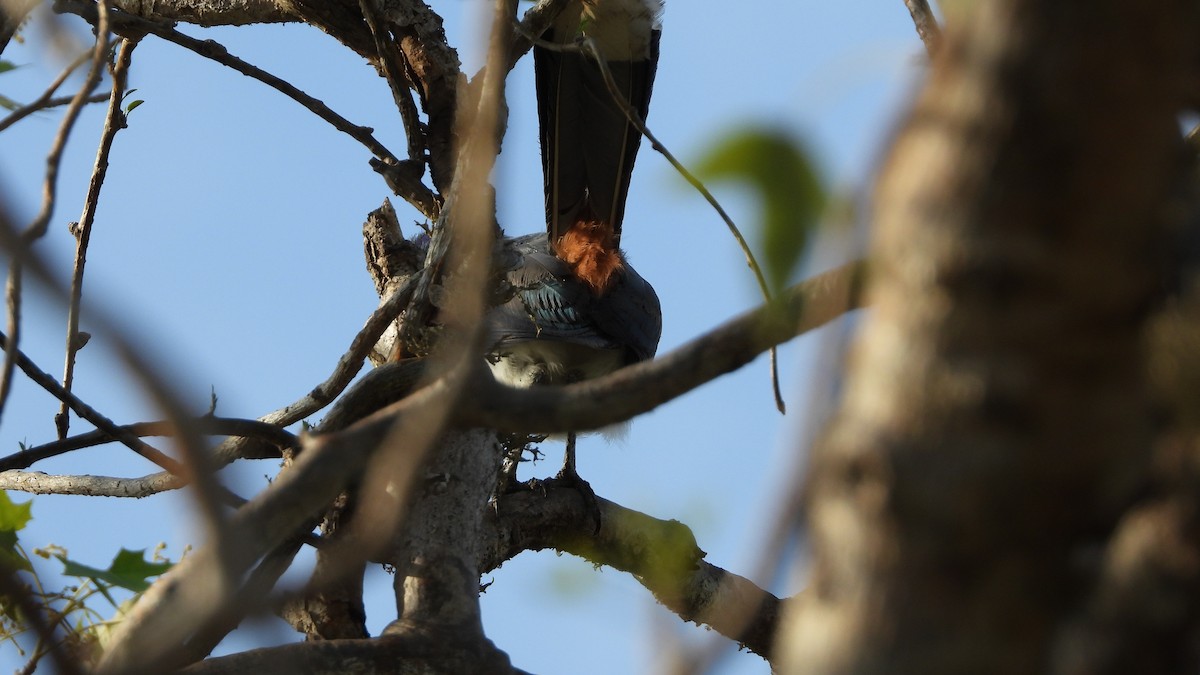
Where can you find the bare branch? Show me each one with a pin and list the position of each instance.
(268, 433)
(207, 12)
(85, 411)
(344, 371)
(628, 392)
(36, 482)
(258, 446)
(114, 121)
(250, 596)
(58, 101)
(201, 587)
(662, 555)
(45, 101)
(41, 222)
(926, 24)
(398, 82)
(388, 654)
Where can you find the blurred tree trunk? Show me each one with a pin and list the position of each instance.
(996, 423)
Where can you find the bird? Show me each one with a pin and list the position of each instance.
(578, 309)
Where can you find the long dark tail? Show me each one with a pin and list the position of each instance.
(588, 145)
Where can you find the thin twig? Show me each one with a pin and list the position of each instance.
(398, 82)
(233, 448)
(588, 46)
(223, 426)
(926, 24)
(58, 101)
(114, 121)
(37, 228)
(344, 371)
(45, 100)
(12, 298)
(209, 494)
(85, 411)
(41, 222)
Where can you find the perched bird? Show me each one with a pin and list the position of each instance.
(578, 309)
(557, 330)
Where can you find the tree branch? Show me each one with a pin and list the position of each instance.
(208, 13)
(430, 653)
(257, 446)
(45, 101)
(398, 83)
(662, 555)
(639, 388)
(632, 390)
(995, 420)
(86, 412)
(223, 426)
(36, 482)
(37, 228)
(200, 588)
(114, 121)
(926, 24)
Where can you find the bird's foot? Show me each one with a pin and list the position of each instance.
(567, 477)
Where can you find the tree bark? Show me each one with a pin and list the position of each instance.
(995, 425)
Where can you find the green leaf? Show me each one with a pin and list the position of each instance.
(6, 66)
(13, 519)
(778, 167)
(129, 569)
(133, 104)
(7, 103)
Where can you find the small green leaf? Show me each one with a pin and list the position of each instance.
(8, 104)
(129, 569)
(14, 517)
(6, 66)
(133, 104)
(778, 167)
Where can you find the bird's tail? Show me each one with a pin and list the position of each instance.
(588, 145)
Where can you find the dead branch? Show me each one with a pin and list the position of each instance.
(114, 121)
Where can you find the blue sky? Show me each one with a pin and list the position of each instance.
(228, 242)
